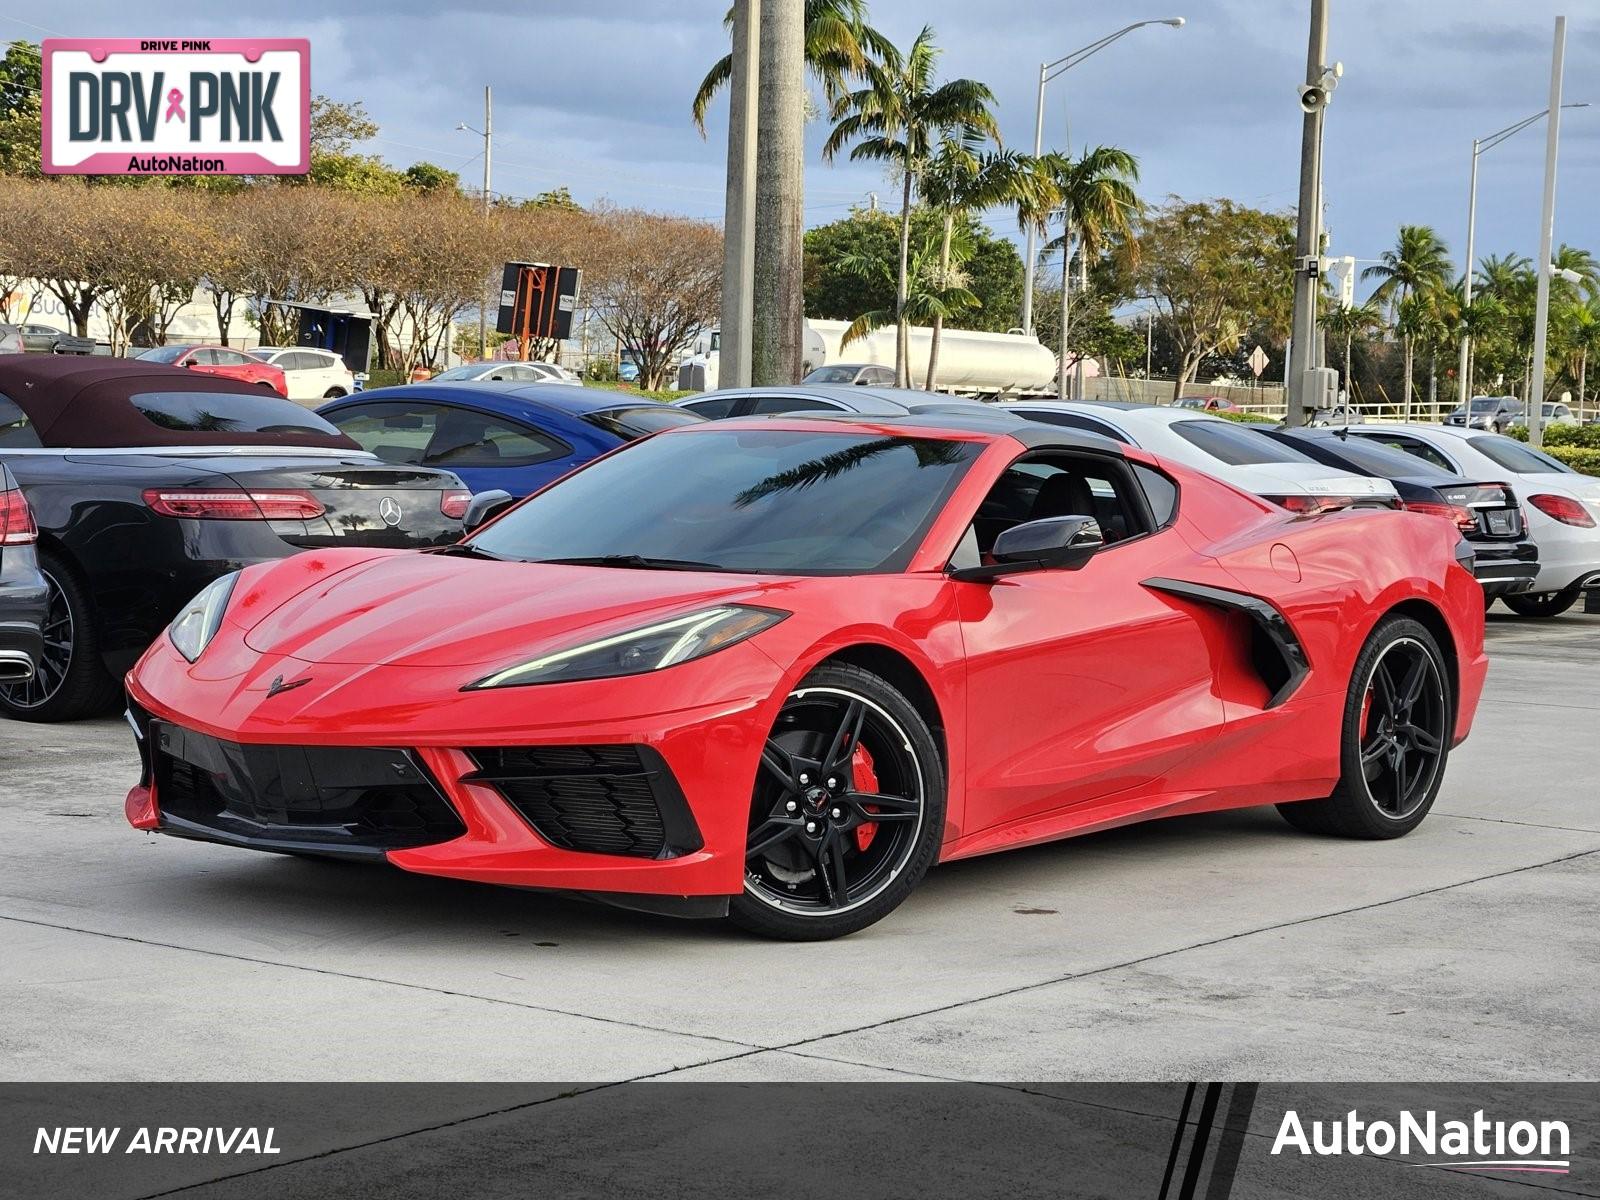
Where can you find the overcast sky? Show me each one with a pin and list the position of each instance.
(595, 96)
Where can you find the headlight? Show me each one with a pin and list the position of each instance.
(196, 624)
(638, 651)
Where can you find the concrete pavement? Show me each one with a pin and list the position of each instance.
(1226, 946)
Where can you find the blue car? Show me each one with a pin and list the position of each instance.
(515, 437)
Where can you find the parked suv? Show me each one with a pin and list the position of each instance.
(310, 375)
(1494, 413)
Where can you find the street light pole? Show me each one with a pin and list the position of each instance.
(488, 135)
(1308, 234)
(1047, 72)
(1481, 146)
(1547, 221)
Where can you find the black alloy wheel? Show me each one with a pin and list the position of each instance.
(1542, 604)
(847, 810)
(1398, 721)
(70, 681)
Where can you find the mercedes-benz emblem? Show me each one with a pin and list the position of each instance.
(389, 510)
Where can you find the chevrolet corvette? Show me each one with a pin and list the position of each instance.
(775, 669)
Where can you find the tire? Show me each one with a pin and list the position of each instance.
(334, 394)
(1392, 754)
(872, 865)
(1542, 604)
(72, 680)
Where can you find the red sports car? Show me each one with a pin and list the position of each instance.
(221, 360)
(777, 668)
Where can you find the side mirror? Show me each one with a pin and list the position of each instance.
(1051, 544)
(485, 506)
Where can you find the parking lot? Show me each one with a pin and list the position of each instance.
(1218, 947)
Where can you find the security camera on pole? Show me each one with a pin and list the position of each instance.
(1305, 390)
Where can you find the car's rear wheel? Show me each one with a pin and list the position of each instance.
(1542, 604)
(71, 681)
(847, 812)
(334, 393)
(1398, 719)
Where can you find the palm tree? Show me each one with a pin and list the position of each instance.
(1584, 336)
(839, 43)
(963, 178)
(1477, 322)
(937, 286)
(1418, 264)
(1346, 324)
(1095, 199)
(896, 118)
(1570, 258)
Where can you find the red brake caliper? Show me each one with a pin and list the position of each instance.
(863, 778)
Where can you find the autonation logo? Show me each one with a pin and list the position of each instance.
(1477, 1144)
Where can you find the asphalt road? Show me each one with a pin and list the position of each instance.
(1215, 947)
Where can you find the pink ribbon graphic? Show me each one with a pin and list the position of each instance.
(175, 105)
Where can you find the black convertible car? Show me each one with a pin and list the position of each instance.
(147, 482)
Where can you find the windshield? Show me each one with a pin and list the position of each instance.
(765, 501)
(1514, 456)
(466, 371)
(1234, 444)
(163, 354)
(1489, 404)
(832, 375)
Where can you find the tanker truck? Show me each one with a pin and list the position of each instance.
(971, 363)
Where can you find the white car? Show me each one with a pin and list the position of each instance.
(1562, 507)
(1219, 447)
(309, 374)
(509, 372)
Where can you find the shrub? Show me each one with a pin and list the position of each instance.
(1579, 458)
(1247, 418)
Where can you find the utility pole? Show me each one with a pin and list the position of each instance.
(1547, 223)
(738, 225)
(1314, 95)
(488, 134)
(779, 313)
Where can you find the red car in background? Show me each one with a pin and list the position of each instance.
(220, 360)
(775, 668)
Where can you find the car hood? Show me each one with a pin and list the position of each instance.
(431, 610)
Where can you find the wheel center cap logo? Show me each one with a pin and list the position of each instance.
(816, 797)
(389, 510)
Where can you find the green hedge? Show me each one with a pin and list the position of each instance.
(1585, 436)
(1579, 458)
(1246, 418)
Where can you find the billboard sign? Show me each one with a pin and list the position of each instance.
(209, 106)
(537, 300)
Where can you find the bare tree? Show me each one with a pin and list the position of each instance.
(663, 285)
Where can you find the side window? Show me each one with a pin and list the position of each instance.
(1074, 421)
(788, 404)
(231, 358)
(1061, 485)
(16, 431)
(714, 408)
(463, 438)
(205, 356)
(397, 433)
(1160, 493)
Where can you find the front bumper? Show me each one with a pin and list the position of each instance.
(698, 736)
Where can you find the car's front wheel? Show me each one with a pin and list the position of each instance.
(334, 393)
(847, 812)
(1398, 720)
(1542, 604)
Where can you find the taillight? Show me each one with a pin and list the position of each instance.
(1562, 508)
(16, 520)
(234, 506)
(1311, 505)
(1463, 518)
(453, 503)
